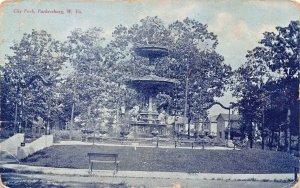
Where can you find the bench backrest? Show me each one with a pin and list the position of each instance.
(102, 155)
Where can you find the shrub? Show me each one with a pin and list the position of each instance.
(65, 135)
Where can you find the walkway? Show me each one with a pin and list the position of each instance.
(95, 181)
(137, 145)
(147, 174)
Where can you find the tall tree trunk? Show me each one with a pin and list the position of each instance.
(262, 141)
(16, 119)
(189, 128)
(290, 141)
(72, 120)
(278, 140)
(251, 135)
(25, 125)
(286, 142)
(33, 128)
(271, 141)
(39, 130)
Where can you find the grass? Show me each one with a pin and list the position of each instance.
(168, 160)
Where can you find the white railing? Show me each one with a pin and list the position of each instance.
(30, 148)
(11, 144)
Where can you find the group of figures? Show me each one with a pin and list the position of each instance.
(137, 114)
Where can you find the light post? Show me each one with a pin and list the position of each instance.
(48, 124)
(155, 134)
(202, 135)
(229, 125)
(186, 105)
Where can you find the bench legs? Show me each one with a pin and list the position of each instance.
(116, 169)
(90, 168)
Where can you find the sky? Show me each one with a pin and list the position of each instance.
(239, 25)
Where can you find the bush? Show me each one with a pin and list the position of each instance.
(65, 135)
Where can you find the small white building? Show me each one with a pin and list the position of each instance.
(213, 125)
(222, 125)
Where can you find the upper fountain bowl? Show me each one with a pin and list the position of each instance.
(151, 51)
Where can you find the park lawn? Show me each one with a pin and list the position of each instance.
(168, 160)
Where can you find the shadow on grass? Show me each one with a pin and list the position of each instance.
(35, 157)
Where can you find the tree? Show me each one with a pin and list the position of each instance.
(90, 84)
(249, 88)
(124, 63)
(271, 74)
(199, 68)
(192, 60)
(28, 73)
(283, 57)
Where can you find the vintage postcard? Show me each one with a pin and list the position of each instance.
(149, 93)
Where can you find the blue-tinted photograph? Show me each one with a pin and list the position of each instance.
(149, 94)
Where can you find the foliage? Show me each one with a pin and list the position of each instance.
(191, 55)
(60, 135)
(30, 76)
(267, 83)
(88, 87)
(98, 71)
(105, 70)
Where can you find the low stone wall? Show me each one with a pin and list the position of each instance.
(11, 144)
(39, 144)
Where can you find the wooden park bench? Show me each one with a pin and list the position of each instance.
(103, 158)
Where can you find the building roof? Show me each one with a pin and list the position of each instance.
(233, 117)
(213, 118)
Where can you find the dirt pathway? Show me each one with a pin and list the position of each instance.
(94, 181)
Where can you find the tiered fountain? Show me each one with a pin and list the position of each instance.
(149, 86)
